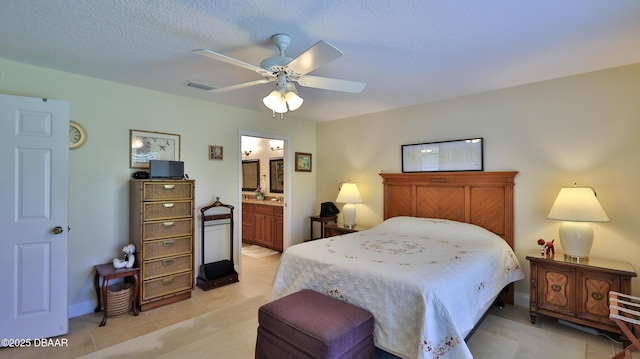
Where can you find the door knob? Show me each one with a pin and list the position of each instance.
(57, 230)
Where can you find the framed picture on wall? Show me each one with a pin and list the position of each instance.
(444, 156)
(303, 162)
(216, 152)
(145, 146)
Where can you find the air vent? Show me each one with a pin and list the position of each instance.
(199, 86)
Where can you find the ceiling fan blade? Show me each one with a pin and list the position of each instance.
(327, 83)
(213, 89)
(232, 61)
(316, 56)
(241, 86)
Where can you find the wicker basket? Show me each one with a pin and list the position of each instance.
(119, 298)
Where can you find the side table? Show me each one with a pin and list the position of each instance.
(323, 222)
(107, 272)
(577, 292)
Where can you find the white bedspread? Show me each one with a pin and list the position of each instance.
(426, 281)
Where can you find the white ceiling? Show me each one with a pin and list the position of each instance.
(407, 51)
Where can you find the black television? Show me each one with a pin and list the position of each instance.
(166, 169)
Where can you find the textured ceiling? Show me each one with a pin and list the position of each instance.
(407, 51)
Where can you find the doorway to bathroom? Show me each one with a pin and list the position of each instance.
(265, 192)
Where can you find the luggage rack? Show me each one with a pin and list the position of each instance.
(219, 273)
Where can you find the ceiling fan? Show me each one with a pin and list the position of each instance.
(284, 71)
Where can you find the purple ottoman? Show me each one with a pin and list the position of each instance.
(308, 324)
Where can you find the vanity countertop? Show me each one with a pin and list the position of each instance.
(266, 202)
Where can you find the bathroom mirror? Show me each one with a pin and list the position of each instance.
(250, 175)
(276, 175)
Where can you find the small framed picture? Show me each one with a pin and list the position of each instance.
(303, 162)
(216, 152)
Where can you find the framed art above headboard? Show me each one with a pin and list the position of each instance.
(444, 156)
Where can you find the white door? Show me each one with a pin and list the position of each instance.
(34, 152)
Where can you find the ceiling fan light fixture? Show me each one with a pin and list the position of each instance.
(293, 100)
(275, 102)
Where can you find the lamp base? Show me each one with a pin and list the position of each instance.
(349, 213)
(576, 239)
(575, 259)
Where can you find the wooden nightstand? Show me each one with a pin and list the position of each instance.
(323, 223)
(577, 292)
(333, 229)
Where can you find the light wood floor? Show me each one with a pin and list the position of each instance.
(85, 336)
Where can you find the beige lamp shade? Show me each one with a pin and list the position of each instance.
(577, 206)
(349, 194)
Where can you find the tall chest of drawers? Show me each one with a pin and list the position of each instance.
(161, 227)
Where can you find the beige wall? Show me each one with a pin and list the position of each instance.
(99, 170)
(577, 129)
(580, 129)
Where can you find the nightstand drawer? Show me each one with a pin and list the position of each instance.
(154, 211)
(167, 190)
(333, 229)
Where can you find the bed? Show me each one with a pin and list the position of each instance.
(429, 272)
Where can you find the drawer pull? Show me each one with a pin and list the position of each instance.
(168, 205)
(169, 186)
(168, 243)
(168, 224)
(597, 296)
(556, 287)
(167, 281)
(167, 262)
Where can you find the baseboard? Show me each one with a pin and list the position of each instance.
(521, 299)
(78, 309)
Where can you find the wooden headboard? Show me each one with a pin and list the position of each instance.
(481, 198)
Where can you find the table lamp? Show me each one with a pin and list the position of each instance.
(349, 195)
(577, 206)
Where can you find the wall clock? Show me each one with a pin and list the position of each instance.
(77, 135)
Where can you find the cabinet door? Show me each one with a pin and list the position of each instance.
(263, 230)
(593, 295)
(248, 223)
(556, 289)
(279, 232)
